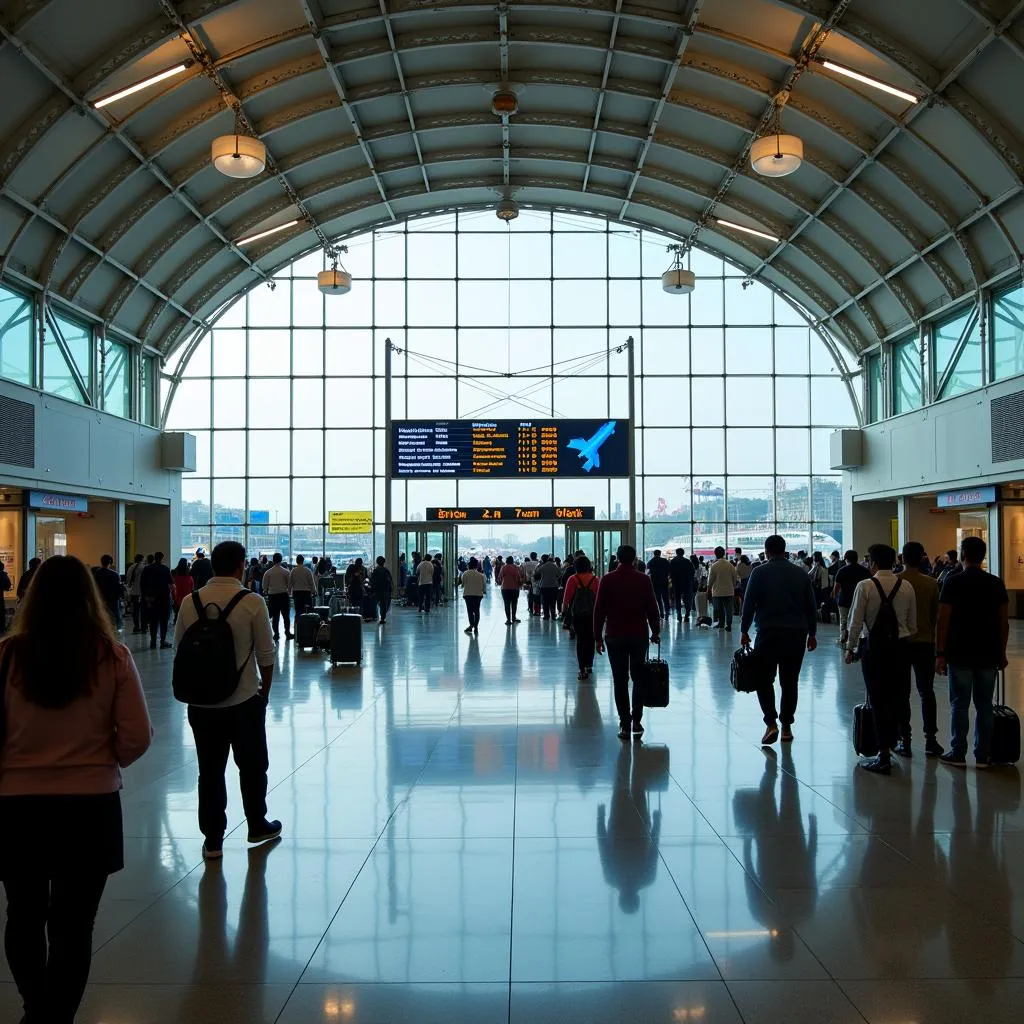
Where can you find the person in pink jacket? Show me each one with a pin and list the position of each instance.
(72, 715)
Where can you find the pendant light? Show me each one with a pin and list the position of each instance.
(238, 155)
(775, 154)
(677, 280)
(334, 281)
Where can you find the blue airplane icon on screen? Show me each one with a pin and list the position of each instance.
(588, 450)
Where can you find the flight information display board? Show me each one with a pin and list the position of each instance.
(480, 514)
(509, 448)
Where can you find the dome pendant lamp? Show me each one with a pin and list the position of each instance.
(775, 155)
(676, 280)
(238, 155)
(334, 281)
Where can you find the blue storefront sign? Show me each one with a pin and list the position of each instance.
(962, 499)
(57, 502)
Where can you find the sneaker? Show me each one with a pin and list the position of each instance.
(787, 734)
(624, 730)
(903, 748)
(213, 849)
(152, 645)
(582, 674)
(165, 645)
(771, 734)
(876, 765)
(264, 831)
(933, 748)
(956, 760)
(517, 620)
(982, 765)
(468, 630)
(508, 622)
(476, 632)
(638, 729)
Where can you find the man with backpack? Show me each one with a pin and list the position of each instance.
(886, 606)
(223, 670)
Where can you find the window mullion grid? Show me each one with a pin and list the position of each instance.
(58, 336)
(958, 350)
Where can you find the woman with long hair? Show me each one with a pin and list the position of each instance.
(72, 714)
(511, 579)
(580, 598)
(184, 584)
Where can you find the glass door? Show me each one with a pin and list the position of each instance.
(972, 524)
(51, 536)
(598, 542)
(405, 538)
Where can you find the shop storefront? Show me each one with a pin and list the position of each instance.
(974, 513)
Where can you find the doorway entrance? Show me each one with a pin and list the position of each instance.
(598, 542)
(426, 538)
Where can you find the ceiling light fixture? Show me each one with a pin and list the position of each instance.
(743, 227)
(269, 231)
(504, 103)
(507, 209)
(334, 281)
(239, 155)
(676, 280)
(144, 84)
(873, 82)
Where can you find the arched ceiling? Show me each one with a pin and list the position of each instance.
(372, 113)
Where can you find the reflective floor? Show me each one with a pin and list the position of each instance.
(466, 840)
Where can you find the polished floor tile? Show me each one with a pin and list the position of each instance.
(467, 840)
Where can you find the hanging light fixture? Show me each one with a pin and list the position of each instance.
(677, 280)
(507, 209)
(775, 154)
(238, 155)
(334, 281)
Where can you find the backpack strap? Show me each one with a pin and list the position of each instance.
(230, 606)
(886, 598)
(198, 605)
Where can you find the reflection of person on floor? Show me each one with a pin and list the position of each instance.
(628, 841)
(584, 737)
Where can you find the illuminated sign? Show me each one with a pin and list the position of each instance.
(540, 513)
(57, 502)
(974, 496)
(427, 449)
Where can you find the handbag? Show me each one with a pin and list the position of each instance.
(747, 671)
(655, 689)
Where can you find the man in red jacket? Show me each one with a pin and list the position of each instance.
(625, 613)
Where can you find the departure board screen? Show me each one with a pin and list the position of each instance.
(509, 448)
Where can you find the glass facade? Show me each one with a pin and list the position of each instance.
(957, 347)
(906, 375)
(1008, 333)
(117, 378)
(875, 407)
(735, 395)
(17, 333)
(67, 357)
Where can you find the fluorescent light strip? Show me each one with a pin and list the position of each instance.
(873, 82)
(749, 231)
(144, 84)
(269, 231)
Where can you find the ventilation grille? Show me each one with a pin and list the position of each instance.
(17, 433)
(1008, 427)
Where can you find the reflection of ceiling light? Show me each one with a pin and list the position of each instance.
(743, 227)
(238, 156)
(873, 82)
(504, 103)
(263, 234)
(775, 156)
(334, 282)
(747, 933)
(508, 209)
(144, 84)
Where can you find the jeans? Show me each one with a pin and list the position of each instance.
(627, 656)
(279, 606)
(48, 941)
(662, 598)
(242, 730)
(966, 684)
(425, 590)
(384, 604)
(158, 612)
(921, 660)
(511, 599)
(683, 600)
(723, 610)
(844, 622)
(303, 602)
(883, 676)
(585, 644)
(548, 596)
(473, 610)
(783, 651)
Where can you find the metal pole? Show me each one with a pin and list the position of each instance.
(630, 372)
(389, 553)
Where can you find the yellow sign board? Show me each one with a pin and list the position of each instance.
(350, 522)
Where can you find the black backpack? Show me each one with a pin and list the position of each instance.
(884, 634)
(583, 603)
(204, 663)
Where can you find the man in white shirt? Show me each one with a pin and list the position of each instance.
(238, 724)
(303, 586)
(425, 579)
(529, 567)
(722, 582)
(884, 655)
(133, 581)
(473, 584)
(277, 587)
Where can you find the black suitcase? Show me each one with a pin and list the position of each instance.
(369, 608)
(655, 684)
(323, 611)
(865, 742)
(305, 630)
(747, 672)
(1005, 747)
(346, 639)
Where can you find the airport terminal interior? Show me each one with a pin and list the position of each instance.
(350, 281)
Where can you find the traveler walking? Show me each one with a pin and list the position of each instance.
(303, 587)
(920, 649)
(488, 568)
(74, 715)
(437, 580)
(403, 573)
(624, 609)
(202, 570)
(722, 589)
(659, 570)
(108, 582)
(780, 602)
(529, 567)
(473, 584)
(183, 583)
(133, 582)
(382, 587)
(158, 593)
(548, 575)
(511, 579)
(253, 577)
(819, 579)
(681, 571)
(886, 607)
(277, 586)
(971, 640)
(425, 580)
(953, 566)
(847, 578)
(580, 599)
(236, 725)
(26, 577)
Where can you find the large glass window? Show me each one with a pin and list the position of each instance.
(147, 396)
(906, 375)
(117, 378)
(957, 349)
(67, 357)
(735, 394)
(17, 330)
(874, 371)
(1008, 333)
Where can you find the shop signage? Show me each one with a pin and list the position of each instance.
(57, 502)
(973, 496)
(350, 522)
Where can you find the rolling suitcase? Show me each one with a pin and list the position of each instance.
(369, 608)
(306, 627)
(336, 605)
(346, 639)
(1005, 747)
(655, 688)
(865, 742)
